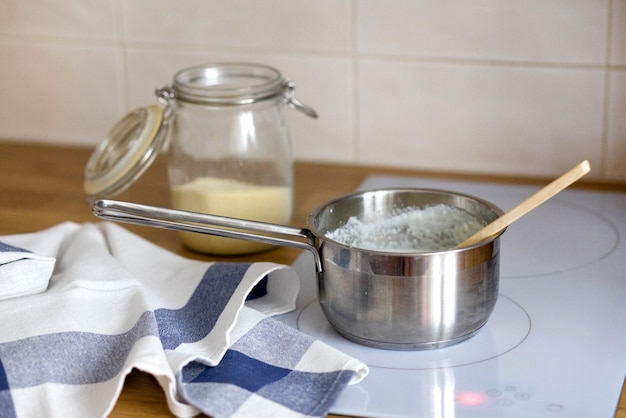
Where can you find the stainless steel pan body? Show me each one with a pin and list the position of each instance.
(389, 300)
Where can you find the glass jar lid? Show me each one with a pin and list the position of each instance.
(129, 149)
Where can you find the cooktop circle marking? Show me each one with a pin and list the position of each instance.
(556, 237)
(507, 328)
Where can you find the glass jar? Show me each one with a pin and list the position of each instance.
(230, 151)
(229, 147)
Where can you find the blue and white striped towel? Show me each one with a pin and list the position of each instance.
(117, 302)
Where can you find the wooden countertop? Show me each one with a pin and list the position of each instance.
(41, 186)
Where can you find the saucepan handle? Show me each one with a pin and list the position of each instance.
(221, 226)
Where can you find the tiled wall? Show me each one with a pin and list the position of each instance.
(489, 86)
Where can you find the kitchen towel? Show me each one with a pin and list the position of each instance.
(204, 330)
(23, 272)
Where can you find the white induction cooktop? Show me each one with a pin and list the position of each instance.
(555, 345)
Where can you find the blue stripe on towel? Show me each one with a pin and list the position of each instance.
(4, 383)
(273, 342)
(72, 358)
(4, 247)
(308, 393)
(7, 408)
(237, 369)
(197, 318)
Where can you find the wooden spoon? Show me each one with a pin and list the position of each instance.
(529, 204)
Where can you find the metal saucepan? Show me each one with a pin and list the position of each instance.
(389, 300)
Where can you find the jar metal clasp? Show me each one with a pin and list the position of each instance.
(165, 96)
(289, 93)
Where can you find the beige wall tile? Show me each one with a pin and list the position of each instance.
(321, 82)
(91, 19)
(616, 156)
(508, 120)
(618, 32)
(311, 25)
(533, 30)
(58, 94)
(485, 86)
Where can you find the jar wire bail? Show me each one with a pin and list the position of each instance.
(289, 93)
(165, 96)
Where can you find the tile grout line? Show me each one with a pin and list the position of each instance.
(178, 47)
(123, 54)
(354, 64)
(606, 105)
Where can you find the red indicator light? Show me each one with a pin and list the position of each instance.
(470, 398)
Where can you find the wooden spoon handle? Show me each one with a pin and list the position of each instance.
(529, 204)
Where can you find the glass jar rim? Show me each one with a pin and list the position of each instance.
(227, 83)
